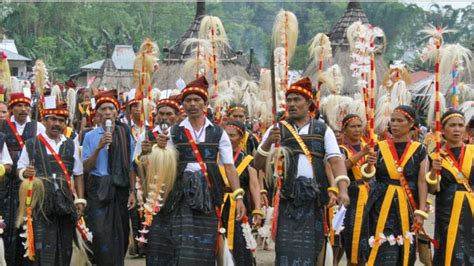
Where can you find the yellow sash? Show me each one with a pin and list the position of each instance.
(387, 201)
(243, 142)
(459, 197)
(228, 196)
(466, 166)
(68, 132)
(356, 167)
(360, 205)
(298, 139)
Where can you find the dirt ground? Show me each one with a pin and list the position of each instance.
(267, 258)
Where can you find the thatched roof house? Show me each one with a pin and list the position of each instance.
(231, 63)
(114, 72)
(341, 52)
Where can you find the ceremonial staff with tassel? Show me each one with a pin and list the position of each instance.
(186, 227)
(17, 129)
(292, 153)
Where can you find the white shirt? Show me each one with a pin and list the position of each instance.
(20, 128)
(24, 160)
(141, 138)
(331, 149)
(5, 157)
(225, 147)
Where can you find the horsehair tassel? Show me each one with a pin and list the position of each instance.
(198, 60)
(438, 101)
(320, 70)
(454, 74)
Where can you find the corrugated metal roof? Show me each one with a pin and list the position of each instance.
(123, 58)
(11, 56)
(93, 66)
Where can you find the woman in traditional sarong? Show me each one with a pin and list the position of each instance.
(355, 151)
(454, 220)
(397, 197)
(250, 183)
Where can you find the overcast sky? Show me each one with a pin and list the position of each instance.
(426, 4)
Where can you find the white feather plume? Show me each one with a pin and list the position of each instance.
(71, 98)
(285, 31)
(210, 24)
(468, 109)
(320, 47)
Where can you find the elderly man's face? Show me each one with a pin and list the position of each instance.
(107, 111)
(20, 112)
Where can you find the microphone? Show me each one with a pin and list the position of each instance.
(108, 128)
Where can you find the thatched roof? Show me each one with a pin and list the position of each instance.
(353, 14)
(341, 52)
(231, 63)
(109, 77)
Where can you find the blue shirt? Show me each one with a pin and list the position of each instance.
(91, 141)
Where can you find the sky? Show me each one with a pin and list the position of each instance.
(425, 4)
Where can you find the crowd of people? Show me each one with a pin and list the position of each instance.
(186, 189)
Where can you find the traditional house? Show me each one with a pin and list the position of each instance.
(230, 63)
(18, 63)
(341, 50)
(116, 71)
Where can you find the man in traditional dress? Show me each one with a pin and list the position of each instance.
(167, 114)
(107, 154)
(306, 189)
(17, 129)
(185, 231)
(56, 161)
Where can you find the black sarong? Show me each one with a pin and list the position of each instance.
(108, 218)
(300, 233)
(186, 234)
(9, 202)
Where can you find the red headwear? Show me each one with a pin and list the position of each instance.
(303, 87)
(70, 83)
(18, 97)
(198, 86)
(60, 110)
(172, 101)
(109, 96)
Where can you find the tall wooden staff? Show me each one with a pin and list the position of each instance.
(284, 34)
(438, 101)
(370, 168)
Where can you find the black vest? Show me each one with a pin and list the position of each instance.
(46, 164)
(314, 140)
(12, 143)
(58, 197)
(2, 141)
(208, 150)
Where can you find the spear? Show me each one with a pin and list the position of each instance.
(284, 34)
